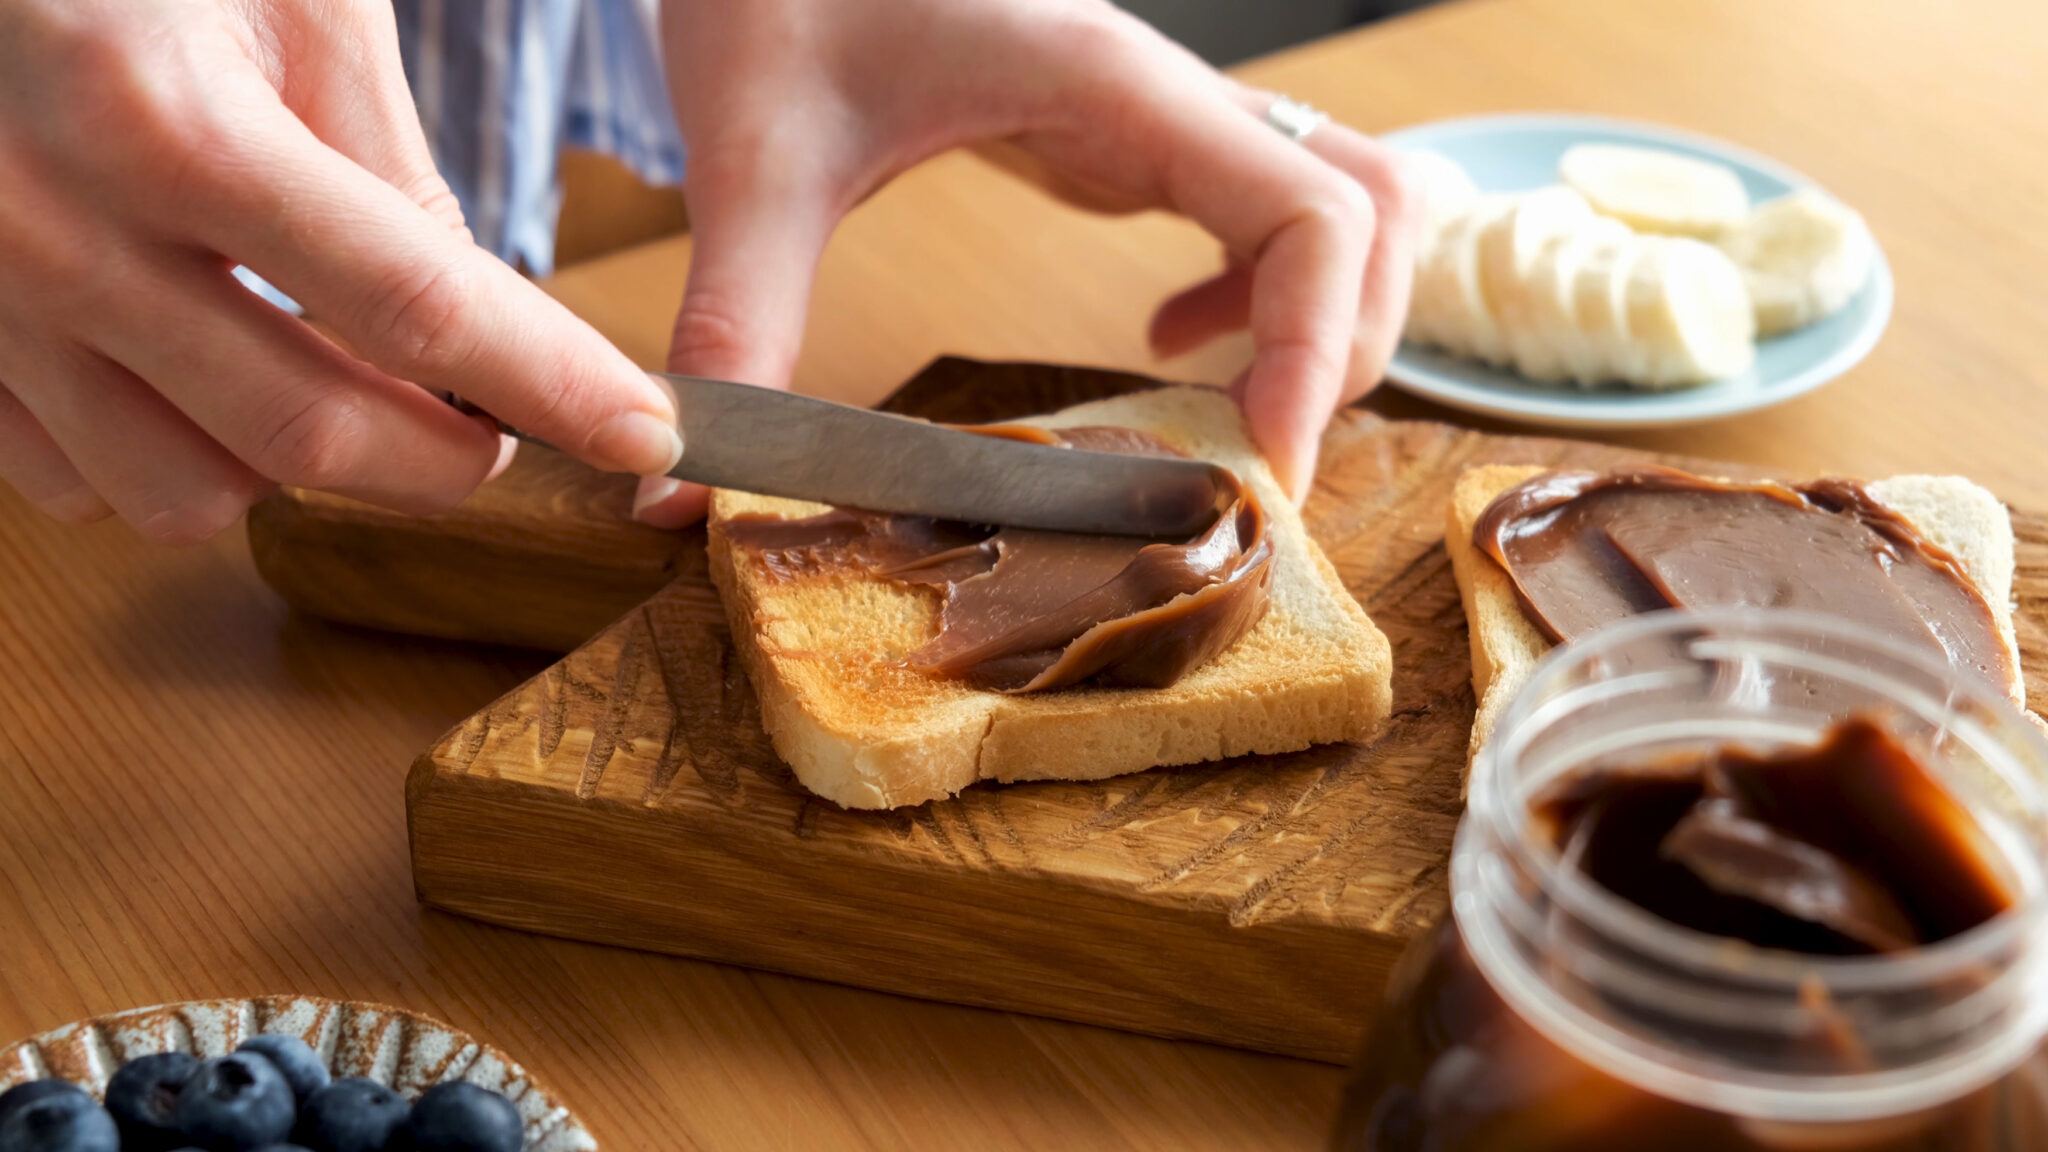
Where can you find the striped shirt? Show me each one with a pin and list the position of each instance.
(504, 85)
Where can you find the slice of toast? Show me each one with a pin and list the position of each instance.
(823, 654)
(1967, 521)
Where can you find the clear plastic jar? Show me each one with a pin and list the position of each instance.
(1547, 1014)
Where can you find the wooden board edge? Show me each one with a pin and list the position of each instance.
(1295, 989)
(417, 577)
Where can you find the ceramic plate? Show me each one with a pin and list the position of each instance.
(1516, 153)
(409, 1052)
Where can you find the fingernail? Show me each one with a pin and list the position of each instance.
(653, 490)
(507, 449)
(665, 390)
(190, 523)
(1296, 469)
(638, 442)
(1300, 487)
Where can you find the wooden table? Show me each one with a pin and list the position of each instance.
(200, 794)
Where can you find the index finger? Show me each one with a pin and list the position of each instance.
(418, 300)
(1396, 236)
(1306, 230)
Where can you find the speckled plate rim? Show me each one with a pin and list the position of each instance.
(1477, 388)
(390, 1045)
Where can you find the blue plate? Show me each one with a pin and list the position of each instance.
(1516, 153)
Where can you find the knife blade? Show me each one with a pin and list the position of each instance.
(779, 444)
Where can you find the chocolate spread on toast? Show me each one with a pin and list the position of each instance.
(1030, 611)
(1587, 548)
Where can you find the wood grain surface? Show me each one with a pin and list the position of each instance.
(540, 557)
(204, 791)
(628, 796)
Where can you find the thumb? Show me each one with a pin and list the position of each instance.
(755, 248)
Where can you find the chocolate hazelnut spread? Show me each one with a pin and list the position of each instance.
(1847, 848)
(1031, 611)
(1586, 548)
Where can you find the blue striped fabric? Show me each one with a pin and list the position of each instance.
(504, 85)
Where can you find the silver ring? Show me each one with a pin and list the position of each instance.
(1293, 119)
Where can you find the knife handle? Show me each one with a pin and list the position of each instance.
(468, 408)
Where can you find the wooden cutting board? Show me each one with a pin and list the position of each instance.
(627, 795)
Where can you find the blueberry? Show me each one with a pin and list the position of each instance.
(236, 1102)
(458, 1116)
(353, 1115)
(302, 1069)
(143, 1098)
(58, 1121)
(22, 1095)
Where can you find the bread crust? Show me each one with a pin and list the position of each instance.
(1959, 516)
(860, 730)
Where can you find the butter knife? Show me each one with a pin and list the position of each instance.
(780, 444)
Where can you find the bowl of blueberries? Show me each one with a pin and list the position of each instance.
(276, 1074)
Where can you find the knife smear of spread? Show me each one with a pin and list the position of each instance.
(1587, 548)
(1032, 611)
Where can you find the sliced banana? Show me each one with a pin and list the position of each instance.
(1508, 248)
(1560, 353)
(1689, 318)
(1656, 191)
(1562, 289)
(1447, 190)
(1600, 301)
(1541, 345)
(1803, 256)
(1441, 313)
(1427, 300)
(1486, 339)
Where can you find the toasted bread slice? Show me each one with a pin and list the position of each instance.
(1967, 521)
(823, 653)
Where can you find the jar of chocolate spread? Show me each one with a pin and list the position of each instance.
(1732, 881)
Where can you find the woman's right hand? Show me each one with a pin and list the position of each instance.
(149, 146)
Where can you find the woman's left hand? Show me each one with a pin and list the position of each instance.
(796, 110)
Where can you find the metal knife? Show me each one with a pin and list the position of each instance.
(779, 444)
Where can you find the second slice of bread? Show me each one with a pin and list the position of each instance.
(823, 654)
(1964, 519)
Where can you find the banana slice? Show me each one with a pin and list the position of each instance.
(1689, 317)
(1448, 308)
(1803, 256)
(1508, 248)
(1447, 190)
(1600, 302)
(1427, 299)
(1541, 343)
(1553, 301)
(1656, 191)
(1486, 340)
(1440, 313)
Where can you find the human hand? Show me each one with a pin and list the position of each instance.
(795, 110)
(149, 146)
